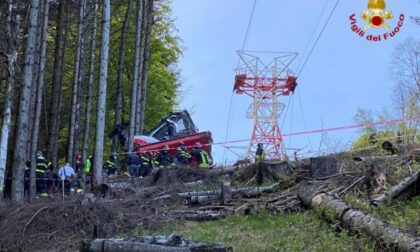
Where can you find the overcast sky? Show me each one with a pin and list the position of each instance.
(345, 71)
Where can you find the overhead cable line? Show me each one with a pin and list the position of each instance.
(318, 38)
(231, 97)
(313, 33)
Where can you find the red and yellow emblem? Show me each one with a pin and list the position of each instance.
(376, 15)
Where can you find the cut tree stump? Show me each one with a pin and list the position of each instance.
(322, 166)
(410, 181)
(172, 243)
(354, 220)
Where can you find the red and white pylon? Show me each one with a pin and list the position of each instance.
(265, 83)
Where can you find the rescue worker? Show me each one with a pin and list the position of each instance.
(133, 162)
(42, 166)
(182, 155)
(154, 160)
(372, 138)
(88, 169)
(109, 166)
(202, 157)
(66, 174)
(164, 159)
(259, 154)
(145, 165)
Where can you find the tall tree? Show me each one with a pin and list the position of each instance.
(101, 106)
(146, 62)
(88, 110)
(12, 27)
(57, 79)
(34, 86)
(141, 64)
(76, 82)
(39, 89)
(19, 156)
(121, 59)
(135, 82)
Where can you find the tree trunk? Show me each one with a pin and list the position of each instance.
(88, 110)
(171, 243)
(334, 209)
(397, 189)
(103, 74)
(34, 85)
(40, 87)
(61, 36)
(19, 156)
(80, 91)
(121, 58)
(135, 84)
(146, 61)
(70, 153)
(141, 63)
(12, 54)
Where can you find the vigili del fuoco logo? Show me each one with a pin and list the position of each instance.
(377, 19)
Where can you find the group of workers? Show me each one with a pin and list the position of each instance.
(142, 164)
(47, 180)
(137, 164)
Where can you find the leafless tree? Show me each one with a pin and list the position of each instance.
(405, 67)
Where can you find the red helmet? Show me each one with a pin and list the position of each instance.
(197, 145)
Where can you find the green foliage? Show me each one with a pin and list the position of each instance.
(163, 76)
(363, 140)
(266, 232)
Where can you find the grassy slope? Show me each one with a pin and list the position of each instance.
(265, 232)
(405, 215)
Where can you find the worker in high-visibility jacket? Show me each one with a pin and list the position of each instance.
(182, 155)
(202, 157)
(154, 159)
(165, 159)
(109, 166)
(42, 166)
(259, 154)
(88, 169)
(145, 165)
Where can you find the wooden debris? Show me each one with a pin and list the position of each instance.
(172, 243)
(397, 189)
(337, 210)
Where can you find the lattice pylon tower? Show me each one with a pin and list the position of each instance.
(265, 77)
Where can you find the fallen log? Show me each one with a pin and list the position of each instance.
(337, 210)
(246, 191)
(172, 243)
(396, 190)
